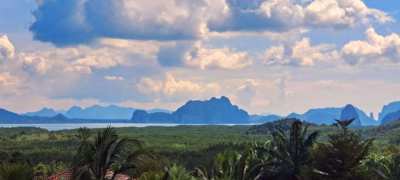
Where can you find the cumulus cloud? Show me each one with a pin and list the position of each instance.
(200, 57)
(75, 72)
(376, 48)
(7, 49)
(80, 59)
(342, 13)
(218, 58)
(260, 15)
(288, 14)
(81, 21)
(84, 59)
(300, 53)
(172, 88)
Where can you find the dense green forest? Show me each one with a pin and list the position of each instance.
(286, 149)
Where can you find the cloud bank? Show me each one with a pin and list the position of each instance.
(376, 48)
(170, 88)
(300, 53)
(82, 21)
(196, 55)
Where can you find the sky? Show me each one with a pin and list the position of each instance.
(267, 56)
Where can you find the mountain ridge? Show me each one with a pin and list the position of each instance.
(193, 111)
(328, 115)
(212, 111)
(109, 112)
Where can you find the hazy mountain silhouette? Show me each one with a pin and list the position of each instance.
(141, 116)
(96, 112)
(350, 112)
(329, 115)
(213, 111)
(99, 112)
(10, 117)
(318, 115)
(394, 116)
(388, 109)
(44, 112)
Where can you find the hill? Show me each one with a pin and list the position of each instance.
(389, 108)
(212, 111)
(44, 112)
(391, 117)
(329, 115)
(10, 117)
(99, 112)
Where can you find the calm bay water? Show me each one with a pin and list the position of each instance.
(64, 126)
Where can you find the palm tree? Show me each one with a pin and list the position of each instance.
(176, 172)
(83, 134)
(291, 153)
(342, 156)
(173, 172)
(282, 158)
(107, 152)
(232, 165)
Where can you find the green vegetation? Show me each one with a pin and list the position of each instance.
(286, 149)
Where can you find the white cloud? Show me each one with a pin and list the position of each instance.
(73, 72)
(84, 59)
(197, 56)
(342, 13)
(376, 48)
(278, 10)
(7, 49)
(216, 58)
(172, 88)
(278, 15)
(275, 55)
(76, 59)
(300, 53)
(324, 13)
(82, 21)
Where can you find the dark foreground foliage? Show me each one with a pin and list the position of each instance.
(288, 150)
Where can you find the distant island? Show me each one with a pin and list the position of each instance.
(212, 111)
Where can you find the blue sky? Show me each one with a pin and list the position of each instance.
(268, 56)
